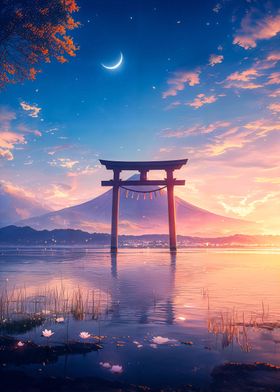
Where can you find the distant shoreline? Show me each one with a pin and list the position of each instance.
(14, 236)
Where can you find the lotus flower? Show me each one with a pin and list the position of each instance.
(106, 365)
(161, 340)
(116, 369)
(84, 335)
(20, 344)
(47, 333)
(59, 319)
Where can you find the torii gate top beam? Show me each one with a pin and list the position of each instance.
(144, 165)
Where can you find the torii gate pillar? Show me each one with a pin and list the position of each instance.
(115, 212)
(171, 211)
(143, 167)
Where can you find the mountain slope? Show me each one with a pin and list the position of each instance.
(139, 217)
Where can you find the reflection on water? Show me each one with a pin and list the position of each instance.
(224, 305)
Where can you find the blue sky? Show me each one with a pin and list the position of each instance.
(200, 79)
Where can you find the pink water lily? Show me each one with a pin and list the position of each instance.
(47, 333)
(116, 369)
(84, 335)
(59, 319)
(20, 344)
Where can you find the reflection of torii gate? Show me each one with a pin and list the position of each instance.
(143, 168)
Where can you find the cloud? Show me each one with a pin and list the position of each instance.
(173, 105)
(166, 149)
(22, 128)
(236, 137)
(253, 30)
(274, 107)
(274, 78)
(179, 80)
(64, 162)
(12, 134)
(215, 59)
(9, 139)
(33, 110)
(53, 150)
(196, 129)
(244, 79)
(275, 93)
(229, 136)
(58, 191)
(223, 143)
(262, 127)
(273, 56)
(16, 190)
(269, 180)
(245, 76)
(6, 116)
(244, 205)
(6, 154)
(88, 170)
(202, 99)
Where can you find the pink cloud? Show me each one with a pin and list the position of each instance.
(244, 205)
(215, 59)
(87, 171)
(9, 139)
(6, 116)
(274, 107)
(244, 79)
(16, 190)
(263, 127)
(273, 56)
(6, 154)
(253, 30)
(202, 99)
(33, 110)
(53, 150)
(12, 135)
(196, 130)
(237, 137)
(275, 93)
(274, 78)
(64, 162)
(245, 76)
(173, 105)
(22, 128)
(179, 80)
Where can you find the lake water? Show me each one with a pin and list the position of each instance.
(165, 319)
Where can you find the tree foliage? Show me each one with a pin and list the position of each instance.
(32, 32)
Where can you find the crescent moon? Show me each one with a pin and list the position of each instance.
(117, 65)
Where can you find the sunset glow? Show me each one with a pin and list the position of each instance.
(211, 94)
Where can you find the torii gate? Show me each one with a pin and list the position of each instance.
(143, 167)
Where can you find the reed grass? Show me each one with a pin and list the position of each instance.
(57, 301)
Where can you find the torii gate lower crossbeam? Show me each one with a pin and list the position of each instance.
(143, 167)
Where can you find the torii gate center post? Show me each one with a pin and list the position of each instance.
(143, 167)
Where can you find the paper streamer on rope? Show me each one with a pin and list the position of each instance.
(146, 194)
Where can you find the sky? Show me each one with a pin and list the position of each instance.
(199, 80)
